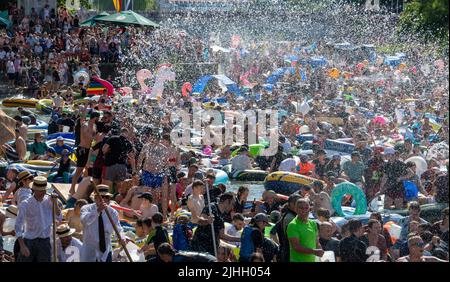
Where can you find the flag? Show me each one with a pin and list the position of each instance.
(118, 5)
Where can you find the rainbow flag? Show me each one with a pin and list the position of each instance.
(118, 5)
(95, 88)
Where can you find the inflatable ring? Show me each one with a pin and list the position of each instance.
(348, 188)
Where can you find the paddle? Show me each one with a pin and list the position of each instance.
(114, 227)
(55, 254)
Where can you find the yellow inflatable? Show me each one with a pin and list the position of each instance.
(287, 183)
(19, 102)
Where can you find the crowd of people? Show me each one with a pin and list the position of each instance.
(123, 165)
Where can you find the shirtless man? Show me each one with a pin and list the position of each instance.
(84, 190)
(18, 153)
(170, 180)
(416, 248)
(23, 129)
(132, 199)
(87, 134)
(152, 160)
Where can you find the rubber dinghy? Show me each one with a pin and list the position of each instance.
(286, 183)
(245, 175)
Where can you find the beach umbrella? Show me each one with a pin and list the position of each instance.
(7, 128)
(92, 20)
(127, 18)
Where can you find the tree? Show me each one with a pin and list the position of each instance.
(429, 18)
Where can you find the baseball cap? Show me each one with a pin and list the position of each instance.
(147, 196)
(356, 154)
(60, 138)
(261, 217)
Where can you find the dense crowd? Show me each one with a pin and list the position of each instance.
(123, 157)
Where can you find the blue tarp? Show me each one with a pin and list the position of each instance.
(318, 61)
(279, 73)
(200, 85)
(393, 61)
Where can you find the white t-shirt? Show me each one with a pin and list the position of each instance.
(148, 211)
(196, 205)
(288, 165)
(58, 101)
(241, 162)
(232, 231)
(10, 67)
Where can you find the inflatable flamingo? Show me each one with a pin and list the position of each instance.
(163, 73)
(141, 76)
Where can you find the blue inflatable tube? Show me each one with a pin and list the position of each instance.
(65, 135)
(221, 177)
(40, 124)
(358, 195)
(305, 137)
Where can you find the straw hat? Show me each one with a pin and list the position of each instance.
(103, 190)
(23, 175)
(64, 230)
(11, 211)
(40, 183)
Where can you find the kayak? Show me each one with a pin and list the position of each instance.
(286, 183)
(19, 102)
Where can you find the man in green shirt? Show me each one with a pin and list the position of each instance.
(39, 147)
(303, 235)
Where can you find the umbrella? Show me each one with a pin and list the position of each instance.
(7, 128)
(127, 18)
(92, 20)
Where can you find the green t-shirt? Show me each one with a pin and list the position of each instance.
(307, 234)
(38, 148)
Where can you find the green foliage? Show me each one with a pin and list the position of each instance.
(429, 18)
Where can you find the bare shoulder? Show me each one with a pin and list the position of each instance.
(432, 259)
(402, 259)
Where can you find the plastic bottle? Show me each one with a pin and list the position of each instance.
(253, 205)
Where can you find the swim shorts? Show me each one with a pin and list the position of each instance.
(172, 175)
(116, 173)
(152, 180)
(98, 172)
(82, 155)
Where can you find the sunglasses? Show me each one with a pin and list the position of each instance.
(418, 244)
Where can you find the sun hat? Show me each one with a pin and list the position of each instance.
(64, 230)
(103, 190)
(40, 183)
(23, 175)
(11, 211)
